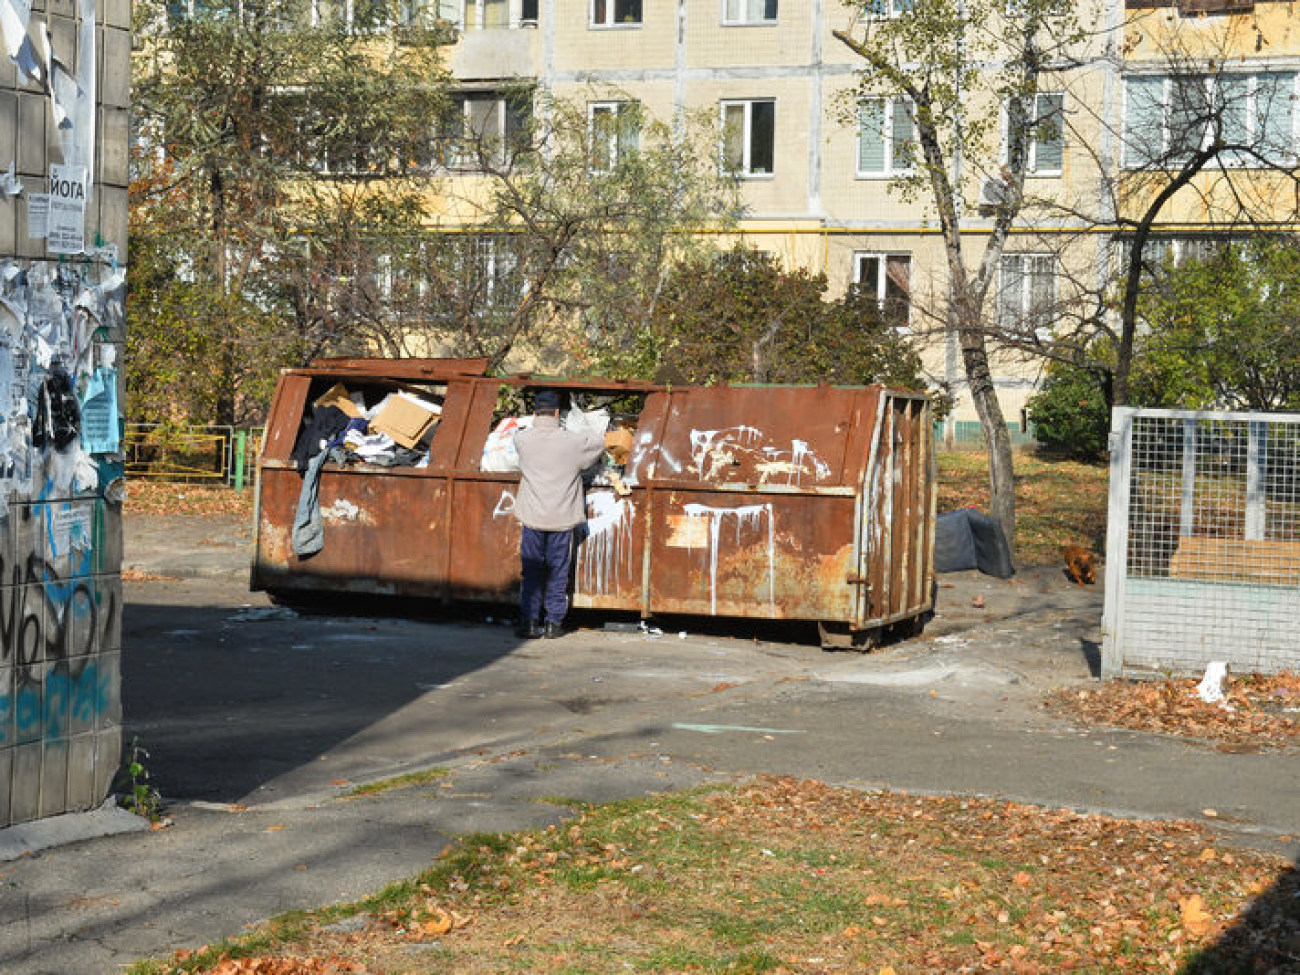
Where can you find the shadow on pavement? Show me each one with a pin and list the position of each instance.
(226, 698)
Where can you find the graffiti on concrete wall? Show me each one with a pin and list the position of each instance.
(53, 627)
(61, 325)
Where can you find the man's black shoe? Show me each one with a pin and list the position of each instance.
(530, 631)
(554, 630)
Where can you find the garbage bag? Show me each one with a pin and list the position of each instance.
(969, 539)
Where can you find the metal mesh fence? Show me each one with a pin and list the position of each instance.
(1203, 545)
(1215, 499)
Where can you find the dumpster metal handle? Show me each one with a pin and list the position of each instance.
(854, 579)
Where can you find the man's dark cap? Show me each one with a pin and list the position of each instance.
(546, 401)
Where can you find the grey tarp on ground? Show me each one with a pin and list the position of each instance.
(969, 539)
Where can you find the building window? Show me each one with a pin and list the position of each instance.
(614, 133)
(1027, 293)
(486, 14)
(887, 278)
(426, 13)
(885, 9)
(1046, 149)
(1167, 118)
(615, 13)
(484, 128)
(1164, 250)
(886, 137)
(749, 137)
(748, 12)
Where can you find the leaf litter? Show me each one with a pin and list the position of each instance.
(1259, 712)
(788, 875)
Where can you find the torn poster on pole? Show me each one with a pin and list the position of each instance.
(66, 222)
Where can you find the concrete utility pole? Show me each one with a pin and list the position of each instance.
(64, 102)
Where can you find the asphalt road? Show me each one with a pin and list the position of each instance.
(258, 722)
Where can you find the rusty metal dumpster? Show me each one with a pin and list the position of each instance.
(782, 503)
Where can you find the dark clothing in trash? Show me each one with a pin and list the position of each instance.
(969, 539)
(326, 423)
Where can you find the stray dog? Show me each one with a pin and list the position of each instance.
(1080, 564)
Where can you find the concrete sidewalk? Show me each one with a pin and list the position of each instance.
(259, 722)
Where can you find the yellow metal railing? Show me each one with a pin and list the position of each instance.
(189, 453)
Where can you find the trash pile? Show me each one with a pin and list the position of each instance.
(393, 431)
(499, 454)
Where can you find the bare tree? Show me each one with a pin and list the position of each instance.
(555, 230)
(959, 65)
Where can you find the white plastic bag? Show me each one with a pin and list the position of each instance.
(499, 454)
(593, 421)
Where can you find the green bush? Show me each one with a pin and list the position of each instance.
(1070, 415)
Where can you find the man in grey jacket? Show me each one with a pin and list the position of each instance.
(550, 505)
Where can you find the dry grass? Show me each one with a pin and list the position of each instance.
(149, 497)
(794, 876)
(1058, 502)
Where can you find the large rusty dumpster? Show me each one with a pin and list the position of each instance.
(782, 503)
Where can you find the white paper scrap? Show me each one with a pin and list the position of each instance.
(1214, 684)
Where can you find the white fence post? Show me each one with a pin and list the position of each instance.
(1112, 620)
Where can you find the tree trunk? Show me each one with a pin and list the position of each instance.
(979, 376)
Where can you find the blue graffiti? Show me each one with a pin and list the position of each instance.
(51, 632)
(61, 704)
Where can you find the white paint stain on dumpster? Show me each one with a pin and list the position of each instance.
(747, 517)
(505, 505)
(713, 451)
(605, 557)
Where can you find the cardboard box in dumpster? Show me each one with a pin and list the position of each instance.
(406, 418)
(338, 395)
(618, 441)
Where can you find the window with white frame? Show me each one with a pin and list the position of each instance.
(484, 127)
(613, 133)
(421, 13)
(615, 13)
(354, 16)
(486, 14)
(887, 278)
(748, 12)
(490, 269)
(885, 9)
(749, 137)
(1026, 292)
(886, 137)
(1169, 250)
(1046, 132)
(1168, 117)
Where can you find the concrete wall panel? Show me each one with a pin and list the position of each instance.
(60, 539)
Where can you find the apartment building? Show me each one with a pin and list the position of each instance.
(817, 167)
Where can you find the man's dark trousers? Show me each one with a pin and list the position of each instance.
(545, 557)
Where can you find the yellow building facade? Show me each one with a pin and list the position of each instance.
(817, 170)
